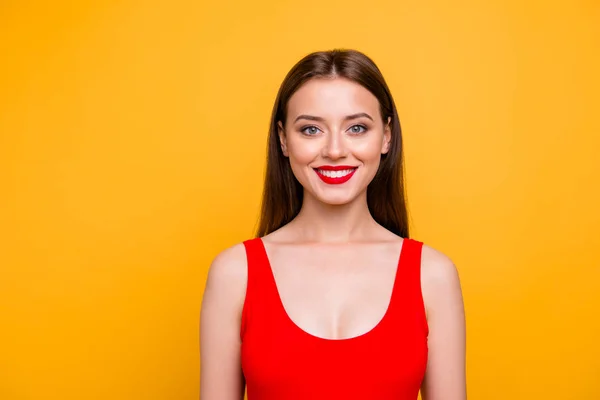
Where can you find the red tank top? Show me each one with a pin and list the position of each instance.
(280, 361)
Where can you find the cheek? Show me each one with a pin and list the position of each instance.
(303, 152)
(368, 151)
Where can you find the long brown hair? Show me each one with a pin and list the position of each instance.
(282, 193)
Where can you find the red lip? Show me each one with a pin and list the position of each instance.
(336, 180)
(335, 167)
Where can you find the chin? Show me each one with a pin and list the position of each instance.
(336, 202)
(336, 199)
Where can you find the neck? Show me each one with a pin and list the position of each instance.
(320, 222)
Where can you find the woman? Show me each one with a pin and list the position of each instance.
(332, 300)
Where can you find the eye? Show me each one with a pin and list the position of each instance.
(357, 129)
(310, 130)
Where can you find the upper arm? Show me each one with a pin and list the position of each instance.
(221, 375)
(445, 377)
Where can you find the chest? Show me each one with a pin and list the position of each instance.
(334, 295)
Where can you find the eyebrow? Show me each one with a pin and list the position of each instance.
(346, 118)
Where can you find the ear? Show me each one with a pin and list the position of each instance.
(282, 138)
(387, 136)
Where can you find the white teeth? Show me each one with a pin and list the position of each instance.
(335, 174)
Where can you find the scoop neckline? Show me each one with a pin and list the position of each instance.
(364, 335)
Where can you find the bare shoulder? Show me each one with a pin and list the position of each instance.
(228, 275)
(437, 267)
(230, 263)
(439, 278)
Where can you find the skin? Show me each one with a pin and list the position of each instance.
(320, 259)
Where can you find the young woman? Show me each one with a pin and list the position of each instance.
(332, 300)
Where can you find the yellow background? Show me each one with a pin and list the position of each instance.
(132, 147)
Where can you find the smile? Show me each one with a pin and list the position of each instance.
(335, 175)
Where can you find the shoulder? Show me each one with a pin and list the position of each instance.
(230, 263)
(437, 267)
(228, 275)
(440, 280)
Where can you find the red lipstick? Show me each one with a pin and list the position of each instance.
(335, 174)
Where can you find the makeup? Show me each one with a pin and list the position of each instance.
(335, 174)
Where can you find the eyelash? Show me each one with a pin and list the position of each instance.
(364, 129)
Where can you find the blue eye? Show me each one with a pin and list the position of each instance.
(310, 130)
(357, 129)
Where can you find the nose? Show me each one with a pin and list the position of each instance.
(335, 147)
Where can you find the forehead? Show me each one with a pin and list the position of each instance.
(332, 98)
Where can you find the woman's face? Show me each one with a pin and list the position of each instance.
(334, 137)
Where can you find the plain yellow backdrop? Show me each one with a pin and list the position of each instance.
(132, 148)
